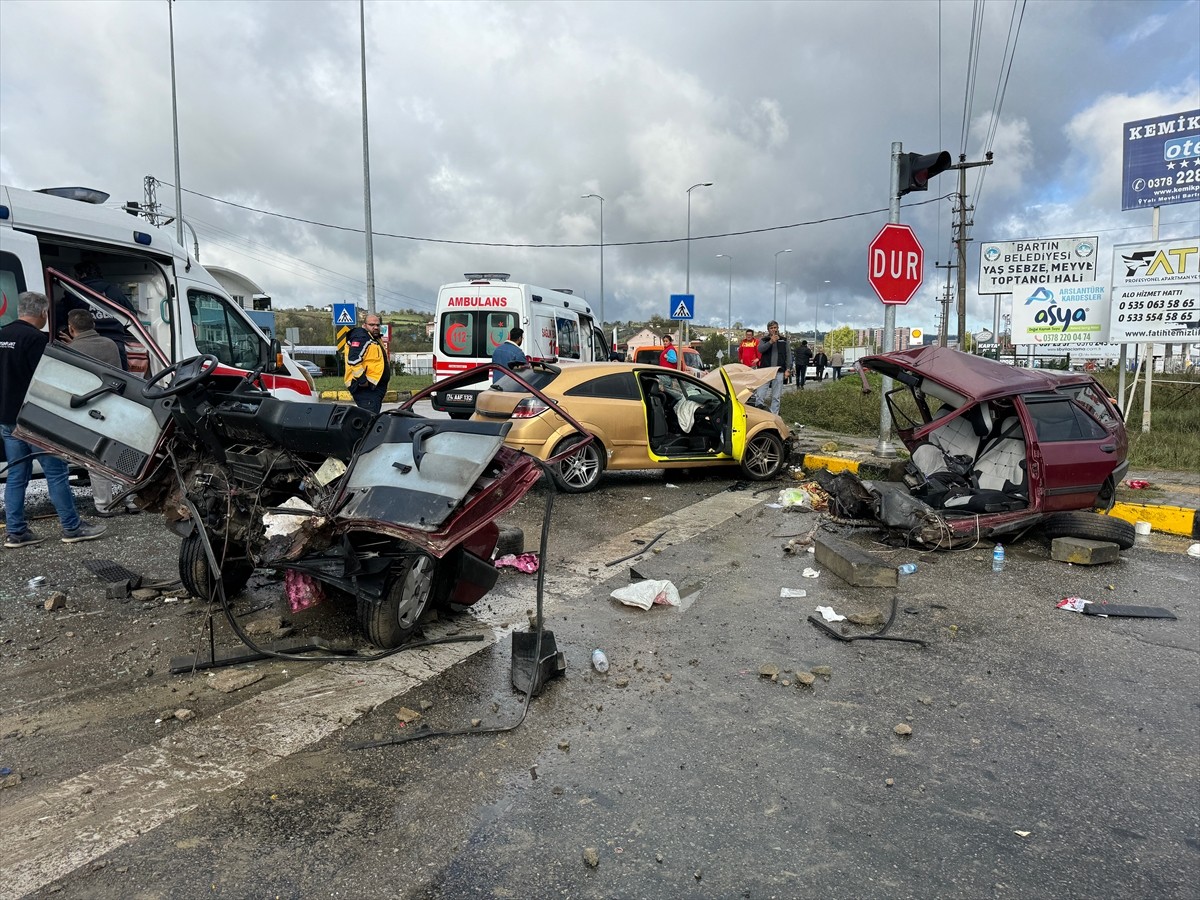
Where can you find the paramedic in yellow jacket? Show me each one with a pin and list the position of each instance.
(367, 370)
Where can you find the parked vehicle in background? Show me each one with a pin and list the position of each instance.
(45, 234)
(473, 317)
(310, 367)
(995, 449)
(640, 417)
(651, 354)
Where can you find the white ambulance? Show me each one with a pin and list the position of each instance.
(473, 318)
(181, 310)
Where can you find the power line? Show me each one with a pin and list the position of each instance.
(607, 243)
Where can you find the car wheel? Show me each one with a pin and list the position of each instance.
(511, 540)
(763, 458)
(392, 621)
(579, 473)
(1092, 526)
(196, 573)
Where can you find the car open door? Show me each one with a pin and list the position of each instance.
(89, 411)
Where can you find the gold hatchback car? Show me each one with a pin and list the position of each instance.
(640, 417)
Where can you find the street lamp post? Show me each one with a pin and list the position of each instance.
(831, 304)
(687, 289)
(601, 199)
(817, 321)
(729, 324)
(785, 302)
(775, 300)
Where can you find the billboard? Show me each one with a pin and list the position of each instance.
(1061, 315)
(1011, 267)
(1161, 162)
(1156, 292)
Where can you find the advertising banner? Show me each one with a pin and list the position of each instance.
(1161, 163)
(1012, 267)
(1061, 314)
(1156, 292)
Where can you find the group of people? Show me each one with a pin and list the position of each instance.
(771, 351)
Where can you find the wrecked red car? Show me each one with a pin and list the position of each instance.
(393, 513)
(995, 449)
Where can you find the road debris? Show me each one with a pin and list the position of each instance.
(648, 593)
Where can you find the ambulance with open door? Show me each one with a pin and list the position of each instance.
(474, 317)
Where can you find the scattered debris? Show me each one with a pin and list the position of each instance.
(425, 705)
(1023, 834)
(523, 562)
(406, 715)
(564, 745)
(1138, 484)
(829, 615)
(233, 680)
(871, 618)
(57, 600)
(810, 572)
(792, 593)
(301, 589)
(1127, 611)
(825, 672)
(184, 715)
(648, 593)
(591, 856)
(891, 782)
(903, 730)
(768, 670)
(805, 679)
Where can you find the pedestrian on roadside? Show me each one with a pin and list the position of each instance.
(836, 362)
(773, 354)
(81, 326)
(669, 356)
(748, 354)
(22, 343)
(803, 358)
(509, 354)
(367, 369)
(820, 361)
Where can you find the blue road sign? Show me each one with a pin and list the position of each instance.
(683, 306)
(1162, 161)
(345, 314)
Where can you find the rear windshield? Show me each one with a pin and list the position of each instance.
(539, 378)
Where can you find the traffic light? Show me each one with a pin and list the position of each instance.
(916, 170)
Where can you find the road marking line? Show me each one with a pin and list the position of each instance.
(52, 832)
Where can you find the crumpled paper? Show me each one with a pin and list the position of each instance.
(525, 562)
(829, 615)
(648, 593)
(1074, 604)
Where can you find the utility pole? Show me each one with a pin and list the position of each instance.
(944, 322)
(961, 239)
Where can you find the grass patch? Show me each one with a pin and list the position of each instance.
(1172, 444)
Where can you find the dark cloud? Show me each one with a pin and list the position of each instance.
(488, 121)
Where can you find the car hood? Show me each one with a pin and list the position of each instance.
(744, 379)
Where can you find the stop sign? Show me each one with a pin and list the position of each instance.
(895, 264)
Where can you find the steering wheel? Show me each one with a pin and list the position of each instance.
(188, 373)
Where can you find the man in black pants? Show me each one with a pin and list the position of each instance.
(803, 358)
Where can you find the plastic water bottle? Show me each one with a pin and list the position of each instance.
(599, 660)
(907, 568)
(998, 558)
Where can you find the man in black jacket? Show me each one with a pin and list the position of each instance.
(773, 353)
(803, 358)
(21, 345)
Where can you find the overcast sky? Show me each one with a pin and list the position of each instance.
(488, 121)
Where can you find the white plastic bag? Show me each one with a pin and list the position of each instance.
(795, 498)
(647, 593)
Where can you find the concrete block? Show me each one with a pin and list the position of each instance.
(851, 564)
(1083, 552)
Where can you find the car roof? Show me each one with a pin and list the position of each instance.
(978, 378)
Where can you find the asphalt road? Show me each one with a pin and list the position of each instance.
(1051, 754)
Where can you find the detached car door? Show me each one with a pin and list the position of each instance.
(89, 411)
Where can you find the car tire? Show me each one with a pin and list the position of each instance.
(196, 574)
(1092, 526)
(580, 473)
(763, 458)
(511, 540)
(392, 620)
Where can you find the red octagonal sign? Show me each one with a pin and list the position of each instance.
(895, 264)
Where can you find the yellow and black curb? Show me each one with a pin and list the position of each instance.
(1180, 520)
(346, 397)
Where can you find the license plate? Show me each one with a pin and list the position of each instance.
(458, 397)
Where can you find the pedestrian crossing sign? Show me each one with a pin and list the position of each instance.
(344, 314)
(683, 306)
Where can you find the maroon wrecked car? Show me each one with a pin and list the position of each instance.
(995, 450)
